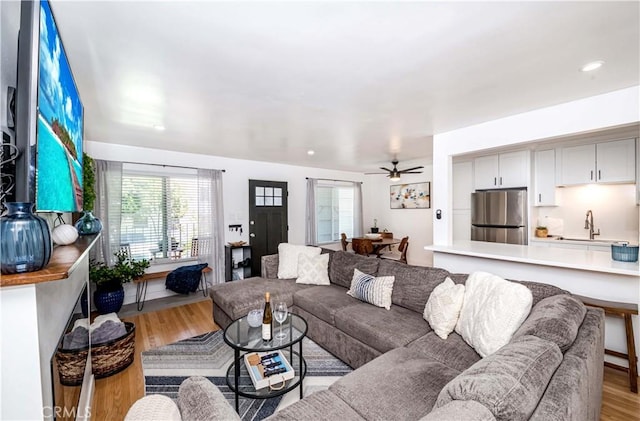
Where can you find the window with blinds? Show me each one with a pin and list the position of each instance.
(159, 213)
(335, 212)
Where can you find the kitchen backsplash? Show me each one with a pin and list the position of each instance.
(614, 208)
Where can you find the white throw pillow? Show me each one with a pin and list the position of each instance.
(288, 258)
(313, 269)
(443, 307)
(372, 290)
(493, 309)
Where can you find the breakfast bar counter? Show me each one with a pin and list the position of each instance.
(594, 261)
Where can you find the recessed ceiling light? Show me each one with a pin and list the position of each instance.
(592, 66)
(158, 127)
(311, 152)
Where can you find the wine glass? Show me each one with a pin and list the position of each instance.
(280, 314)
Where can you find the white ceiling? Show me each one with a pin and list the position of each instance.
(356, 82)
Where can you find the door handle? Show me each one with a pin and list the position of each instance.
(495, 181)
(252, 235)
(591, 175)
(539, 197)
(599, 175)
(500, 180)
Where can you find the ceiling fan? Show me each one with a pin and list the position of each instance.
(394, 174)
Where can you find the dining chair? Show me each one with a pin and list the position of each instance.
(401, 254)
(362, 246)
(343, 241)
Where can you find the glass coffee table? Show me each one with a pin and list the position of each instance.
(242, 337)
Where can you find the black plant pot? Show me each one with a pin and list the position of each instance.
(108, 301)
(374, 230)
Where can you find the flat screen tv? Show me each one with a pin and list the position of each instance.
(49, 116)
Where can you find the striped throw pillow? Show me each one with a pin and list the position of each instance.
(372, 290)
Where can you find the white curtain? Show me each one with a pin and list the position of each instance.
(311, 237)
(108, 208)
(358, 228)
(211, 222)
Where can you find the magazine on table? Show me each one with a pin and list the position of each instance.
(268, 369)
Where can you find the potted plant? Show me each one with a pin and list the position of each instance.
(109, 294)
(541, 231)
(374, 228)
(88, 224)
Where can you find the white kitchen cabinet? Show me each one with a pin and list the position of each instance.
(545, 178)
(606, 162)
(462, 185)
(501, 171)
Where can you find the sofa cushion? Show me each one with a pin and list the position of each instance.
(154, 407)
(443, 307)
(237, 298)
(324, 301)
(379, 328)
(413, 284)
(288, 258)
(492, 311)
(556, 319)
(201, 400)
(342, 264)
(313, 270)
(460, 411)
(323, 405)
(371, 289)
(453, 352)
(398, 385)
(509, 382)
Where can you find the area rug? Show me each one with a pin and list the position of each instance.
(208, 355)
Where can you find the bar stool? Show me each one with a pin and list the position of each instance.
(625, 311)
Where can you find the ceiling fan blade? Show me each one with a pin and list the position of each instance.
(411, 172)
(386, 169)
(411, 169)
(372, 173)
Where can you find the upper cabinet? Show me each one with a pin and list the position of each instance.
(545, 178)
(606, 162)
(501, 171)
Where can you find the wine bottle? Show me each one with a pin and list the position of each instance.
(267, 318)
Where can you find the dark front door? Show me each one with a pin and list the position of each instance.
(268, 223)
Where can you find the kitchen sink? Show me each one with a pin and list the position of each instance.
(586, 240)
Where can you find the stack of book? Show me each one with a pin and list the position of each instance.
(268, 369)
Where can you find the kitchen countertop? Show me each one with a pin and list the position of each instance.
(595, 261)
(602, 242)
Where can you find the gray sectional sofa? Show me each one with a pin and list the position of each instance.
(551, 369)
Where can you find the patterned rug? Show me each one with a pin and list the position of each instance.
(208, 355)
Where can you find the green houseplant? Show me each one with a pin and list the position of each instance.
(109, 294)
(88, 223)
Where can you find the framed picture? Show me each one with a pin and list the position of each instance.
(411, 196)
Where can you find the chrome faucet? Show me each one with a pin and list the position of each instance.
(588, 225)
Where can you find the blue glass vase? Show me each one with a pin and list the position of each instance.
(25, 239)
(88, 224)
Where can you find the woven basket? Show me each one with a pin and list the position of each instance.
(107, 358)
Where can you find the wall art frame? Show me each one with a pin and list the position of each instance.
(410, 196)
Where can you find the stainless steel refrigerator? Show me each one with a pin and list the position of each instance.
(499, 216)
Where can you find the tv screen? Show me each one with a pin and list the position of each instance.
(59, 129)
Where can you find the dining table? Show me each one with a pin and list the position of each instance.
(380, 243)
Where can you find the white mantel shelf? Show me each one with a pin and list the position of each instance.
(594, 261)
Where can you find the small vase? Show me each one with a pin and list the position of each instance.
(25, 239)
(108, 301)
(88, 224)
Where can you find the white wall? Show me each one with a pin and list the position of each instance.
(594, 113)
(415, 223)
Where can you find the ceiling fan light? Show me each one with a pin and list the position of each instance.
(394, 176)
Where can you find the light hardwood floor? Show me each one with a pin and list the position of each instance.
(115, 395)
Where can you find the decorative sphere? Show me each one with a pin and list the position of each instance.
(254, 318)
(64, 234)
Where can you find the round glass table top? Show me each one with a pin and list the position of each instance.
(240, 335)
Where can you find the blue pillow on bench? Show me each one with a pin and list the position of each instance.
(185, 279)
